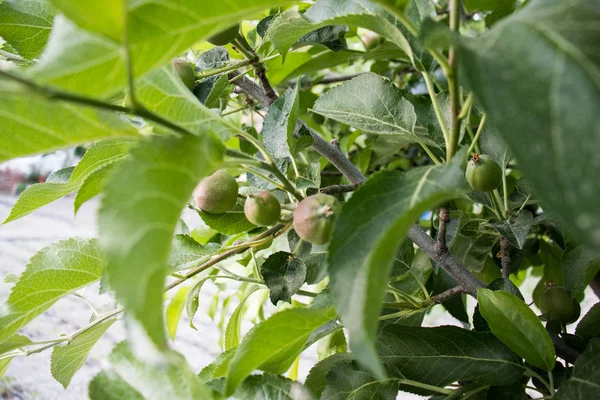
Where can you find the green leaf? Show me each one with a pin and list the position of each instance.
(505, 284)
(579, 268)
(280, 122)
(107, 385)
(515, 229)
(106, 18)
(589, 326)
(26, 25)
(544, 56)
(473, 242)
(284, 275)
(233, 332)
(174, 310)
(371, 227)
(371, 103)
(297, 246)
(488, 5)
(289, 26)
(517, 326)
(67, 360)
(170, 379)
(187, 253)
(51, 274)
(316, 267)
(30, 124)
(92, 185)
(164, 93)
(98, 156)
(92, 64)
(218, 368)
(274, 344)
(317, 375)
(271, 387)
(229, 223)
(348, 381)
(442, 355)
(140, 209)
(220, 91)
(14, 342)
(192, 301)
(583, 384)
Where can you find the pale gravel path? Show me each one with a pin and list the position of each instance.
(29, 378)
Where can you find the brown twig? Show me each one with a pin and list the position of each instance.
(505, 257)
(338, 189)
(448, 294)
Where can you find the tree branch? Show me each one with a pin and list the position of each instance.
(446, 260)
(505, 257)
(447, 295)
(416, 234)
(338, 189)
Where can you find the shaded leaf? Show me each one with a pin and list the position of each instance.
(348, 381)
(442, 355)
(517, 326)
(583, 384)
(272, 387)
(191, 306)
(55, 271)
(274, 344)
(579, 268)
(67, 360)
(139, 212)
(515, 229)
(366, 238)
(589, 326)
(316, 267)
(553, 67)
(298, 247)
(284, 274)
(219, 94)
(316, 378)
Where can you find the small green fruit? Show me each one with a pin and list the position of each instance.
(185, 72)
(224, 37)
(483, 173)
(556, 304)
(262, 209)
(217, 193)
(315, 216)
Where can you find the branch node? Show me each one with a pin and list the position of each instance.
(440, 246)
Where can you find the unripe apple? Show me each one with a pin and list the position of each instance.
(315, 216)
(224, 37)
(262, 209)
(217, 193)
(185, 72)
(556, 304)
(483, 173)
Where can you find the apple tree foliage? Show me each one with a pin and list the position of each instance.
(378, 103)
